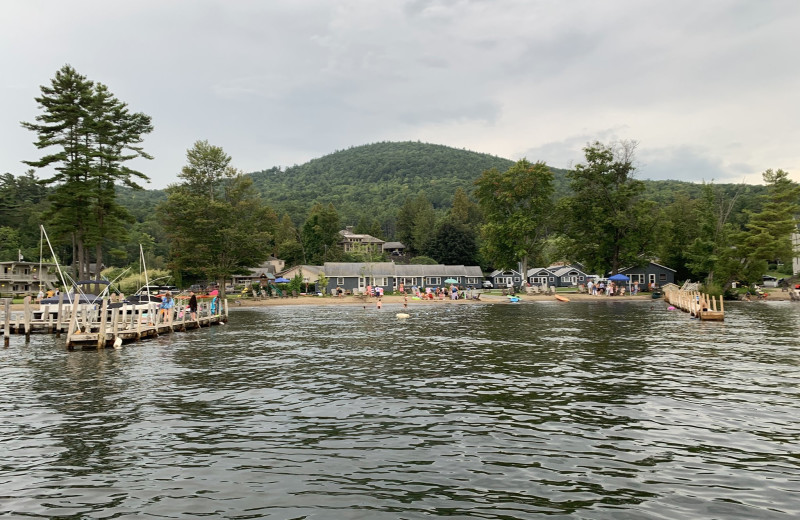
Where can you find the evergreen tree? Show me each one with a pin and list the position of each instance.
(93, 135)
(453, 244)
(288, 246)
(320, 235)
(767, 234)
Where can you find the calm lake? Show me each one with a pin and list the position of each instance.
(613, 410)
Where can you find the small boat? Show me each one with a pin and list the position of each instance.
(513, 299)
(561, 298)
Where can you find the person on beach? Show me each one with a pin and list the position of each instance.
(378, 304)
(193, 305)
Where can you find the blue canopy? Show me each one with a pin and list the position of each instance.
(619, 278)
(282, 280)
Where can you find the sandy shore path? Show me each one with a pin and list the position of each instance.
(485, 298)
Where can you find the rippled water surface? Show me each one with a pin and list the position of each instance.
(580, 410)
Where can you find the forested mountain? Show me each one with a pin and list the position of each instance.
(375, 179)
(370, 185)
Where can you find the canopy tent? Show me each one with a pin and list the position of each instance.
(619, 278)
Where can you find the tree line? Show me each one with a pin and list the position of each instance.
(217, 220)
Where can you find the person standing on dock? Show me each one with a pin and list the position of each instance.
(193, 305)
(167, 303)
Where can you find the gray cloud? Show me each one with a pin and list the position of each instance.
(708, 89)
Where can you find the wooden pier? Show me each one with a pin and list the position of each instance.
(697, 304)
(103, 327)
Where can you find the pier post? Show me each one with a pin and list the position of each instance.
(6, 321)
(60, 317)
(27, 318)
(138, 313)
(73, 324)
(101, 333)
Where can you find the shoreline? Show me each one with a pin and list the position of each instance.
(394, 299)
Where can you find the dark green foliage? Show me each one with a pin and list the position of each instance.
(320, 236)
(517, 207)
(422, 260)
(215, 234)
(91, 136)
(378, 176)
(453, 244)
(608, 221)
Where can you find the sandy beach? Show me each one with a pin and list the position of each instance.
(485, 298)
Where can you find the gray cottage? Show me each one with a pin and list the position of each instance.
(355, 277)
(541, 276)
(505, 278)
(652, 275)
(569, 276)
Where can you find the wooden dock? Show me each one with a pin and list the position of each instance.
(108, 327)
(697, 304)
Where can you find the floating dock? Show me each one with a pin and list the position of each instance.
(101, 326)
(697, 304)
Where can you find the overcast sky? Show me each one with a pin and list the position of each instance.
(710, 89)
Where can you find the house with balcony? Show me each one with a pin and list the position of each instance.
(22, 278)
(359, 243)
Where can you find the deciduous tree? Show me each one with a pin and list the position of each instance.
(609, 223)
(517, 206)
(216, 233)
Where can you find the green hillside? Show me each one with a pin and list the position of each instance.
(374, 179)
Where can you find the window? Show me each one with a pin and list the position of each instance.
(472, 281)
(380, 281)
(433, 280)
(339, 280)
(662, 277)
(636, 278)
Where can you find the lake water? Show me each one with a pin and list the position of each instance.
(611, 410)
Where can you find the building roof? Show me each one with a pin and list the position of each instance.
(534, 271)
(561, 271)
(651, 262)
(351, 269)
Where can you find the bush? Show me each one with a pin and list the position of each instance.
(712, 289)
(423, 260)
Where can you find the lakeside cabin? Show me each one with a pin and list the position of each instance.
(353, 278)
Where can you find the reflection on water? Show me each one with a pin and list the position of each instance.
(585, 410)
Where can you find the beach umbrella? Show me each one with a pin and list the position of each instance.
(282, 280)
(451, 280)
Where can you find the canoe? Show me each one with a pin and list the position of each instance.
(561, 298)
